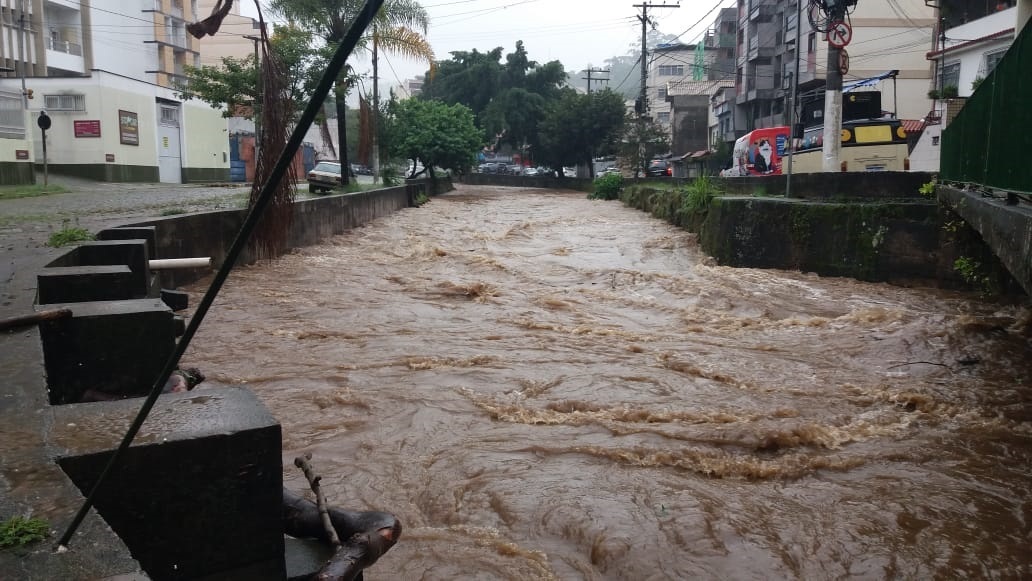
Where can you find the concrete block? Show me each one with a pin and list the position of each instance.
(148, 233)
(199, 493)
(132, 253)
(116, 347)
(76, 284)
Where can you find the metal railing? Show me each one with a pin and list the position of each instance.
(64, 46)
(982, 145)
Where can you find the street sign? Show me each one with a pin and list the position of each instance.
(43, 121)
(843, 62)
(839, 34)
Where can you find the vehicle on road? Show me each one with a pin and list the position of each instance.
(325, 176)
(660, 167)
(361, 169)
(569, 172)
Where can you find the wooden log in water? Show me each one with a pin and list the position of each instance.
(366, 535)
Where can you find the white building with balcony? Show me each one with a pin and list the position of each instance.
(107, 77)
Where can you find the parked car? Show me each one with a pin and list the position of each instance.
(325, 176)
(569, 172)
(611, 169)
(660, 167)
(360, 169)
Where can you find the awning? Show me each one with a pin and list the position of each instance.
(912, 125)
(869, 82)
(701, 153)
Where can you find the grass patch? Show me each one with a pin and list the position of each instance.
(29, 191)
(17, 531)
(67, 236)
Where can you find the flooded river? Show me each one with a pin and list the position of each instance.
(546, 387)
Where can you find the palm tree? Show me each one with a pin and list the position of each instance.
(399, 27)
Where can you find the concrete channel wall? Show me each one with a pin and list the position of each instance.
(199, 494)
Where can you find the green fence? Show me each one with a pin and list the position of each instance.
(988, 142)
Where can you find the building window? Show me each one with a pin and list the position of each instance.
(170, 116)
(12, 115)
(811, 43)
(950, 76)
(662, 92)
(992, 59)
(663, 117)
(64, 102)
(671, 70)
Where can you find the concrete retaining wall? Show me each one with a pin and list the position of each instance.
(1007, 229)
(198, 496)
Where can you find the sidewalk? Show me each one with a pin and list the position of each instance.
(27, 223)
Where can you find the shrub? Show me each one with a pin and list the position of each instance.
(928, 189)
(607, 187)
(17, 531)
(389, 175)
(699, 193)
(67, 236)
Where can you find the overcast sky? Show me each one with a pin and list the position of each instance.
(575, 32)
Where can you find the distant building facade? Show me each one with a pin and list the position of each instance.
(107, 79)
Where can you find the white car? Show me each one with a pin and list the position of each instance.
(569, 172)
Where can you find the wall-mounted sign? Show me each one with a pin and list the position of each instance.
(21, 154)
(109, 157)
(87, 127)
(128, 128)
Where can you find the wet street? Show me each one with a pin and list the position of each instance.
(543, 386)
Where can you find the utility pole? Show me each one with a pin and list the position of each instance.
(838, 31)
(792, 99)
(256, 109)
(374, 118)
(642, 106)
(23, 58)
(589, 79)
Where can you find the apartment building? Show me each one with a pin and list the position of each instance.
(232, 39)
(106, 74)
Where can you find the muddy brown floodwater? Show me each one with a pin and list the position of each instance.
(546, 387)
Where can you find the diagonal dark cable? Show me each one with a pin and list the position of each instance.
(347, 45)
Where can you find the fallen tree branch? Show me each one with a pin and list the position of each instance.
(302, 462)
(918, 363)
(368, 534)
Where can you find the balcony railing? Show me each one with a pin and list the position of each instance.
(64, 46)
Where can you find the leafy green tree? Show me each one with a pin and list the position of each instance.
(579, 126)
(642, 142)
(234, 86)
(399, 27)
(469, 78)
(515, 115)
(434, 134)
